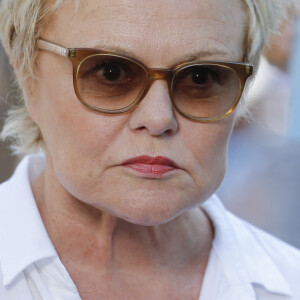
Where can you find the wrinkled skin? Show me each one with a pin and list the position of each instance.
(84, 193)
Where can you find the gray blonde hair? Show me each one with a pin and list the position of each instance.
(22, 22)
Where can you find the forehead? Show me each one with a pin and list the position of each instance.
(154, 31)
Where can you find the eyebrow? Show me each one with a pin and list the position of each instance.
(197, 55)
(205, 55)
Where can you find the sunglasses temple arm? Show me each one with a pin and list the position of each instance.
(45, 45)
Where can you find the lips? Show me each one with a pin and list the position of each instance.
(151, 165)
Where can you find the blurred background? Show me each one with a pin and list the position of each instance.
(7, 162)
(262, 184)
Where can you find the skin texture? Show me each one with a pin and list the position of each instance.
(124, 229)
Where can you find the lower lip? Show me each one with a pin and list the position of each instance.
(150, 169)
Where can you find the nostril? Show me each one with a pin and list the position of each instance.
(169, 132)
(141, 128)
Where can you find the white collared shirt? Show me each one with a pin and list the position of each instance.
(244, 264)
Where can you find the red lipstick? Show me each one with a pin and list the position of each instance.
(148, 165)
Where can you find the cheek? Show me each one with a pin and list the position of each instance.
(208, 145)
(65, 122)
(75, 137)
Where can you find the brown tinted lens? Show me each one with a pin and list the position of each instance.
(205, 91)
(110, 82)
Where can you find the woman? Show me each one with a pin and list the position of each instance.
(132, 104)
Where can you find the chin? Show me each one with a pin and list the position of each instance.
(148, 212)
(147, 204)
(150, 218)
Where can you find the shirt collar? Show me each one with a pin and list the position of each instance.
(22, 232)
(244, 260)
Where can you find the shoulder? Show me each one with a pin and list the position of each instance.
(251, 256)
(28, 169)
(285, 257)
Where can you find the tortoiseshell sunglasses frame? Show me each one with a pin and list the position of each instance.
(78, 55)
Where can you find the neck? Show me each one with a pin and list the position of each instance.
(86, 236)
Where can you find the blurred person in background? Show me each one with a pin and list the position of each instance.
(293, 131)
(263, 165)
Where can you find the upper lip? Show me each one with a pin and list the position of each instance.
(145, 159)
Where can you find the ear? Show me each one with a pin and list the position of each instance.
(14, 64)
(30, 97)
(28, 87)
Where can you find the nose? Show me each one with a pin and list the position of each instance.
(155, 113)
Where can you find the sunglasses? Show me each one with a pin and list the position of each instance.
(113, 83)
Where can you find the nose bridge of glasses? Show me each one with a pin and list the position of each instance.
(160, 74)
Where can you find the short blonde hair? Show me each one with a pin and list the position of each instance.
(22, 22)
